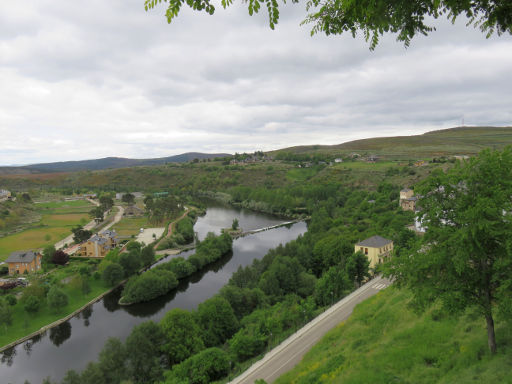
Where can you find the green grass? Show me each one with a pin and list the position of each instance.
(24, 324)
(56, 222)
(385, 342)
(131, 225)
(301, 174)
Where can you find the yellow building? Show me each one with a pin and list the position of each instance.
(376, 248)
(98, 245)
(406, 193)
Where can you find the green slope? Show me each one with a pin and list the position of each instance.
(446, 142)
(385, 342)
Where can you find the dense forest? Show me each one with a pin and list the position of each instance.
(262, 303)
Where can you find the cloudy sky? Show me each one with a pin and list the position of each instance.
(105, 78)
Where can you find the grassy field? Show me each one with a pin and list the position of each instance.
(24, 324)
(129, 226)
(446, 142)
(385, 342)
(57, 219)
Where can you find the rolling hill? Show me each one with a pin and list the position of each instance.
(105, 163)
(445, 142)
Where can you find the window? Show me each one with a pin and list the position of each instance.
(366, 251)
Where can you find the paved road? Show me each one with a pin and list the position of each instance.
(290, 352)
(89, 226)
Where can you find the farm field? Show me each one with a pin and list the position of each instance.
(57, 219)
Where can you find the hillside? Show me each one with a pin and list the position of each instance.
(385, 342)
(446, 142)
(105, 163)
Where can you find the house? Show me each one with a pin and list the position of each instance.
(420, 163)
(376, 248)
(338, 160)
(133, 211)
(461, 157)
(408, 200)
(406, 193)
(119, 196)
(24, 262)
(5, 195)
(409, 204)
(98, 245)
(372, 159)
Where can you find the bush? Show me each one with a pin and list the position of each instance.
(130, 262)
(56, 298)
(4, 270)
(32, 304)
(151, 284)
(11, 300)
(180, 267)
(202, 368)
(113, 274)
(60, 257)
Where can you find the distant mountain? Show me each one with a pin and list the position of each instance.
(105, 163)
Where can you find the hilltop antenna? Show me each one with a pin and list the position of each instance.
(462, 120)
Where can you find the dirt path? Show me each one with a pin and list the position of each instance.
(170, 228)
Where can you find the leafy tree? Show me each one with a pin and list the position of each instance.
(5, 313)
(128, 198)
(71, 377)
(97, 213)
(333, 285)
(248, 342)
(217, 319)
(48, 253)
(143, 353)
(56, 298)
(147, 255)
(130, 262)
(60, 257)
(205, 367)
(80, 234)
(407, 18)
(234, 225)
(465, 259)
(11, 300)
(182, 335)
(113, 274)
(106, 202)
(112, 361)
(149, 285)
(357, 267)
(32, 304)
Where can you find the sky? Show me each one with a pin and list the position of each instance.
(106, 78)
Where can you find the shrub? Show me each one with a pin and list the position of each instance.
(113, 274)
(32, 304)
(151, 284)
(60, 257)
(202, 368)
(11, 300)
(56, 298)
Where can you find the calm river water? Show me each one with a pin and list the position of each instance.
(76, 342)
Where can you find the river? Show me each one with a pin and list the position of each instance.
(78, 341)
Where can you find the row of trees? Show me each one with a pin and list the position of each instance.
(164, 277)
(267, 300)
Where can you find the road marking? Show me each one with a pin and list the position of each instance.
(379, 286)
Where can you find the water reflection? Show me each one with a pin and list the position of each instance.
(60, 333)
(80, 340)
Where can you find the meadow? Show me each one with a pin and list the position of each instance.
(129, 226)
(70, 282)
(57, 219)
(384, 341)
